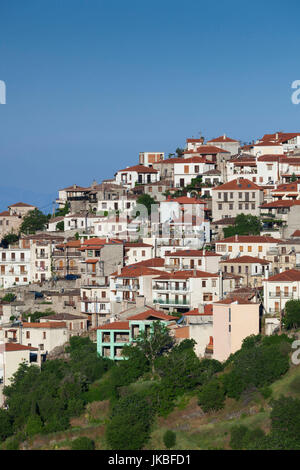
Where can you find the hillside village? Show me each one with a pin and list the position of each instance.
(107, 266)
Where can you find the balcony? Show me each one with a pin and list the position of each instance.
(42, 256)
(171, 302)
(171, 288)
(127, 287)
(281, 294)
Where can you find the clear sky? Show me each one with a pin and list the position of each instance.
(91, 83)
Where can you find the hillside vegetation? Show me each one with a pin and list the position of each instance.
(162, 396)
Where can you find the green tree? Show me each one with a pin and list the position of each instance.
(83, 443)
(212, 396)
(147, 201)
(9, 239)
(32, 222)
(130, 423)
(244, 225)
(154, 344)
(63, 211)
(169, 439)
(291, 318)
(60, 226)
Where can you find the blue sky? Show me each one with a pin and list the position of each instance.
(92, 83)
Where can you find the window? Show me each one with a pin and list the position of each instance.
(220, 195)
(252, 206)
(249, 249)
(240, 206)
(199, 262)
(143, 253)
(150, 189)
(240, 195)
(214, 283)
(230, 207)
(230, 248)
(241, 249)
(231, 195)
(27, 334)
(253, 195)
(44, 334)
(203, 283)
(220, 207)
(103, 294)
(186, 169)
(229, 314)
(260, 249)
(196, 169)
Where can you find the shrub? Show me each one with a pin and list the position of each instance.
(83, 443)
(169, 439)
(212, 396)
(129, 426)
(266, 392)
(295, 385)
(238, 434)
(34, 425)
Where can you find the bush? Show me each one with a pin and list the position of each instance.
(238, 434)
(295, 385)
(266, 392)
(83, 443)
(129, 426)
(34, 425)
(169, 439)
(212, 396)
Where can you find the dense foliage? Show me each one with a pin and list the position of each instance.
(291, 318)
(169, 439)
(43, 400)
(243, 225)
(259, 362)
(32, 222)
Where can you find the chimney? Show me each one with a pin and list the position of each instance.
(119, 269)
(236, 237)
(200, 308)
(29, 319)
(194, 272)
(140, 301)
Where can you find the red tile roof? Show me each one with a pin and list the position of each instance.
(151, 263)
(16, 347)
(133, 271)
(238, 185)
(207, 150)
(208, 310)
(139, 169)
(281, 203)
(290, 275)
(193, 253)
(153, 313)
(223, 138)
(186, 200)
(296, 233)
(21, 204)
(236, 300)
(118, 325)
(186, 274)
(54, 324)
(249, 239)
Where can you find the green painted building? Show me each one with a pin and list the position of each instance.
(111, 338)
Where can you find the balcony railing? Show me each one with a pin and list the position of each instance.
(171, 288)
(171, 302)
(281, 294)
(127, 287)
